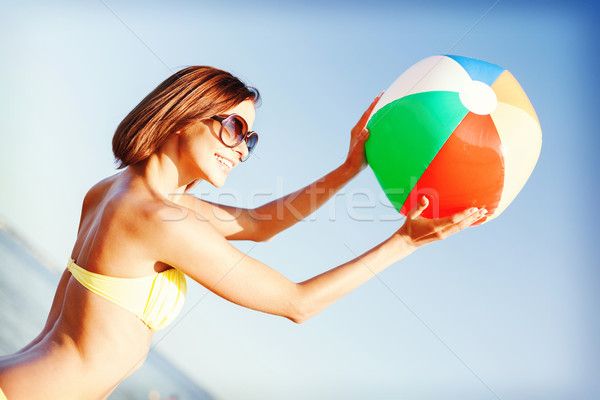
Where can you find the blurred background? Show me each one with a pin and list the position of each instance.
(507, 310)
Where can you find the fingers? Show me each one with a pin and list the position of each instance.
(361, 139)
(445, 227)
(367, 113)
(460, 221)
(468, 218)
(364, 135)
(418, 208)
(422, 231)
(372, 106)
(375, 101)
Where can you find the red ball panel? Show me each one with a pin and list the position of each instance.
(468, 171)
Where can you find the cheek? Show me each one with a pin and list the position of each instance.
(193, 145)
(198, 151)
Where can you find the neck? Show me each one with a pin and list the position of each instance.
(162, 172)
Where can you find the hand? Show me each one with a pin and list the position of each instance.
(357, 159)
(419, 231)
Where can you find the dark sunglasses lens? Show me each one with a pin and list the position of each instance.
(250, 144)
(233, 130)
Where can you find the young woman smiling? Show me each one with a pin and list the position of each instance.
(126, 276)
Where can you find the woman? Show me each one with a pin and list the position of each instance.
(140, 234)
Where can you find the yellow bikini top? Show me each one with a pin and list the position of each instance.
(155, 299)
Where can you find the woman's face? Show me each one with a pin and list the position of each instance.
(204, 156)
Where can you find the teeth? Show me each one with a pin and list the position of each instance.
(224, 161)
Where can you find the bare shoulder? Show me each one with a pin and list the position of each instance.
(120, 216)
(154, 224)
(97, 192)
(117, 199)
(174, 220)
(92, 199)
(177, 234)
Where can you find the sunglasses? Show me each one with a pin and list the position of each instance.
(234, 130)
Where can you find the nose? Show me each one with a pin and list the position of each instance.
(241, 149)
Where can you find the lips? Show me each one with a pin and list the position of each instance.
(225, 162)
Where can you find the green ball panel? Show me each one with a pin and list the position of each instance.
(406, 134)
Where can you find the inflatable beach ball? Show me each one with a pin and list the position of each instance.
(458, 130)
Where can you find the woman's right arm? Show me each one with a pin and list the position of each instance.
(197, 249)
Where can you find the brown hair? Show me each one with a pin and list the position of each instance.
(194, 93)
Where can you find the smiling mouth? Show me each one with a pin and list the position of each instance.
(224, 162)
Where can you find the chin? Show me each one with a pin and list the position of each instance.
(211, 175)
(218, 183)
(218, 179)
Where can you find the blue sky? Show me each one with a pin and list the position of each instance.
(506, 310)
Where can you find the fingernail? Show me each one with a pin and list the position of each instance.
(472, 209)
(483, 211)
